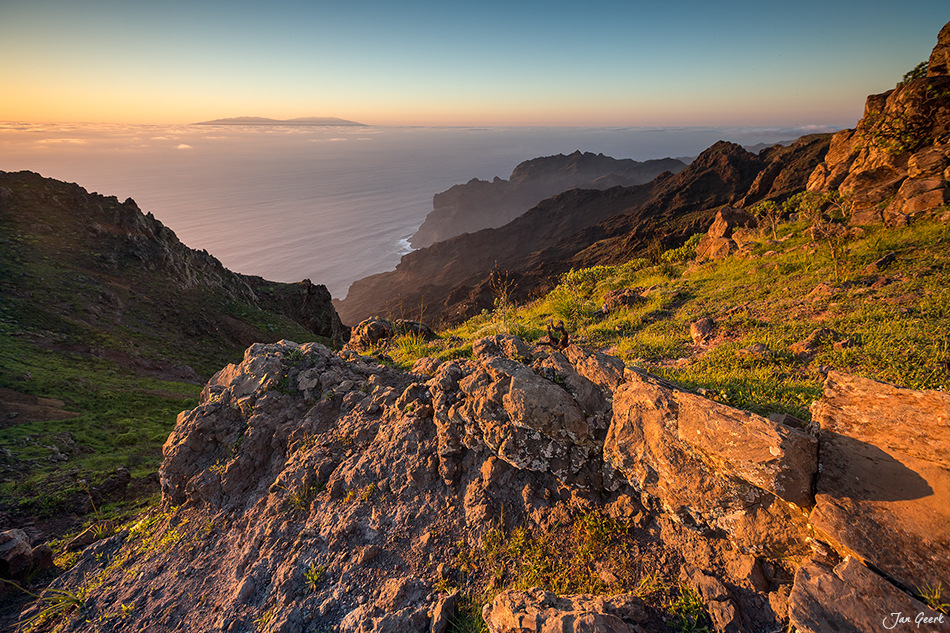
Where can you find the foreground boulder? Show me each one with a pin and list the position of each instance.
(885, 459)
(730, 470)
(718, 241)
(312, 490)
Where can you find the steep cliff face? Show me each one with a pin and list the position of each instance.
(479, 204)
(896, 163)
(450, 280)
(310, 490)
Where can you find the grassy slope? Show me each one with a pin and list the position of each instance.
(891, 324)
(123, 346)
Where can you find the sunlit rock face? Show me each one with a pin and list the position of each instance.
(894, 165)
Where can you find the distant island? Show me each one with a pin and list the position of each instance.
(256, 120)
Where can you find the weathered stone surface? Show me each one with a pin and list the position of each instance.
(697, 471)
(401, 607)
(443, 612)
(850, 597)
(927, 201)
(16, 553)
(701, 329)
(884, 489)
(718, 602)
(771, 456)
(939, 62)
(927, 163)
(505, 345)
(539, 611)
(601, 369)
(718, 242)
(369, 334)
(622, 298)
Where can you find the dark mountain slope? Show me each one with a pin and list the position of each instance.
(452, 280)
(480, 204)
(108, 324)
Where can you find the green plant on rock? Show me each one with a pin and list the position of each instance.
(51, 604)
(918, 71)
(313, 576)
(932, 596)
(689, 612)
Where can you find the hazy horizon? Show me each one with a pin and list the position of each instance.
(434, 64)
(333, 204)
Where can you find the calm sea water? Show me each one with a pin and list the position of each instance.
(329, 204)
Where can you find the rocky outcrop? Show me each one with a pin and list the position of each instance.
(374, 333)
(718, 242)
(537, 610)
(479, 204)
(885, 477)
(893, 165)
(310, 489)
(712, 465)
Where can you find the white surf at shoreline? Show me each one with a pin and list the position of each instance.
(332, 204)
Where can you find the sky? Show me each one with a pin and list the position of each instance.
(554, 63)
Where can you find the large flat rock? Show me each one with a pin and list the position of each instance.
(711, 464)
(851, 598)
(884, 488)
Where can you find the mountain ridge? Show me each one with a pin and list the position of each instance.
(480, 204)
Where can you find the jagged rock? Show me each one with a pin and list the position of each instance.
(927, 163)
(728, 469)
(622, 298)
(42, 557)
(374, 332)
(601, 369)
(718, 242)
(939, 62)
(851, 598)
(895, 157)
(701, 329)
(538, 610)
(528, 421)
(807, 347)
(344, 511)
(401, 607)
(443, 612)
(505, 345)
(718, 601)
(884, 490)
(368, 334)
(426, 366)
(16, 554)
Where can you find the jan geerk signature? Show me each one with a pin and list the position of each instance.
(899, 619)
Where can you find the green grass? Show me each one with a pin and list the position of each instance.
(591, 554)
(896, 330)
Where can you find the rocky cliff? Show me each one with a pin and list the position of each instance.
(895, 163)
(453, 280)
(311, 490)
(479, 204)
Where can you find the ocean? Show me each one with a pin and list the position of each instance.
(331, 204)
